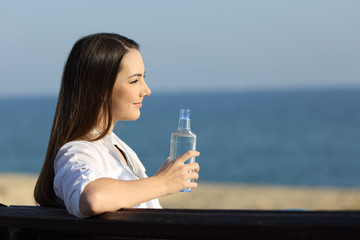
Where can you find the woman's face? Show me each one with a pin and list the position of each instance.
(129, 88)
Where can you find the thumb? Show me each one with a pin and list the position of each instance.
(167, 161)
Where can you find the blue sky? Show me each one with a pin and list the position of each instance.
(189, 45)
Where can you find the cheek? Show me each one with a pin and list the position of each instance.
(116, 99)
(129, 95)
(122, 97)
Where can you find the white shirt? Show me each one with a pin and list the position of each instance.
(79, 162)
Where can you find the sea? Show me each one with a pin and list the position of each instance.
(298, 137)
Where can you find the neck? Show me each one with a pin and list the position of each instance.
(111, 127)
(184, 123)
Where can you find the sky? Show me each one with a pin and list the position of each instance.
(201, 45)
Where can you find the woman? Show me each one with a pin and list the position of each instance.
(87, 167)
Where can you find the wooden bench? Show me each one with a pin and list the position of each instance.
(31, 222)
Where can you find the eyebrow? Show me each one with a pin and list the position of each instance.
(136, 75)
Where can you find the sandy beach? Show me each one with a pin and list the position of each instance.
(17, 189)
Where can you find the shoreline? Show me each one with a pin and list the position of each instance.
(17, 189)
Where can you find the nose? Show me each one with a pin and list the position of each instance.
(146, 90)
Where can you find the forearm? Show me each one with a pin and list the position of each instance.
(107, 194)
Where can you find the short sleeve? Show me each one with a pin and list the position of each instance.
(76, 164)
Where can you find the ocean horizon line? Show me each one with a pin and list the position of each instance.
(208, 91)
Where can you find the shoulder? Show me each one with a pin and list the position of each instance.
(77, 152)
(78, 146)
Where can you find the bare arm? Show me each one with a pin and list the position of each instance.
(107, 194)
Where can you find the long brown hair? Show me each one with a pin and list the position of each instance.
(85, 95)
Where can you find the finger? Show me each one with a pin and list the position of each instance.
(192, 167)
(192, 185)
(189, 154)
(193, 176)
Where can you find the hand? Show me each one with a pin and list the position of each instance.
(175, 175)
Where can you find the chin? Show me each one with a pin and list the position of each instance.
(136, 117)
(132, 117)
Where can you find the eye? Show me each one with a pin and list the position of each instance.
(135, 81)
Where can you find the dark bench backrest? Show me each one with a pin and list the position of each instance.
(30, 222)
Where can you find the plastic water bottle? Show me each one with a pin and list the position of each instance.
(183, 139)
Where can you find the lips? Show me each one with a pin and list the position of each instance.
(139, 104)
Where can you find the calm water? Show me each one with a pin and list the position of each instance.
(309, 138)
